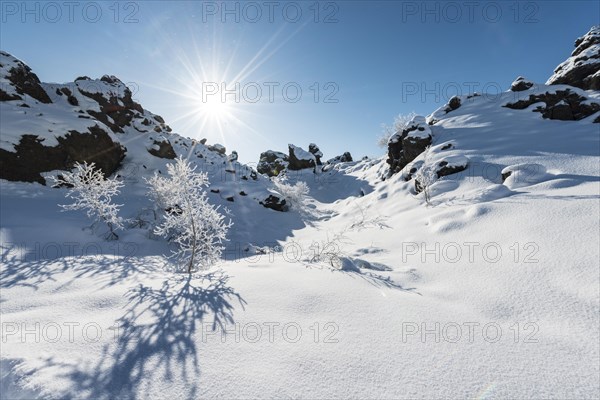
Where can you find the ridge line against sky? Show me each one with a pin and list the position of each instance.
(328, 72)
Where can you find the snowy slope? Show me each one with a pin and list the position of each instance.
(492, 291)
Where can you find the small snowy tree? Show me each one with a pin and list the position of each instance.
(188, 220)
(295, 195)
(400, 122)
(93, 193)
(426, 175)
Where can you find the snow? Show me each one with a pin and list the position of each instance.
(489, 292)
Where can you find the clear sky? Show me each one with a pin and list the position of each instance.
(327, 72)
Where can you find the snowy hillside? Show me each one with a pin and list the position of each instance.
(365, 291)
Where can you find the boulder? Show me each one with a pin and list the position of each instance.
(520, 84)
(315, 151)
(272, 162)
(346, 157)
(217, 148)
(275, 203)
(404, 146)
(300, 159)
(162, 149)
(453, 104)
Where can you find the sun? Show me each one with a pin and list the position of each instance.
(213, 107)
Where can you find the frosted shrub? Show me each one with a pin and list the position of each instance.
(187, 219)
(90, 191)
(388, 130)
(426, 175)
(294, 195)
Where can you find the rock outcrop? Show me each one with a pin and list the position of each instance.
(272, 162)
(405, 145)
(31, 158)
(564, 105)
(582, 69)
(300, 159)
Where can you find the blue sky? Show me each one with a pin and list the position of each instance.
(357, 64)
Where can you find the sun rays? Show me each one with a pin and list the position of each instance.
(206, 82)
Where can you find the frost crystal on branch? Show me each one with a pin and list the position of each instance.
(93, 193)
(188, 220)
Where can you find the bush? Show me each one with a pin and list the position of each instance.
(188, 220)
(294, 195)
(92, 192)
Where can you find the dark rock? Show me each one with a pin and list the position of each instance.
(581, 69)
(203, 141)
(271, 163)
(505, 175)
(218, 148)
(165, 150)
(346, 157)
(159, 119)
(446, 170)
(4, 96)
(230, 198)
(561, 111)
(404, 146)
(233, 156)
(447, 146)
(557, 104)
(295, 163)
(453, 104)
(242, 193)
(83, 78)
(31, 157)
(25, 81)
(214, 190)
(122, 115)
(315, 151)
(520, 84)
(70, 98)
(275, 203)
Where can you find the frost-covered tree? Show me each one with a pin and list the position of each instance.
(295, 195)
(90, 191)
(188, 220)
(426, 175)
(400, 122)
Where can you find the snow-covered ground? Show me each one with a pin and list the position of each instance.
(490, 291)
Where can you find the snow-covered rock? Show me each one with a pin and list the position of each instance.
(582, 69)
(405, 145)
(520, 84)
(300, 158)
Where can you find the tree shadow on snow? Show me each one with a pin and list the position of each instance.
(156, 338)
